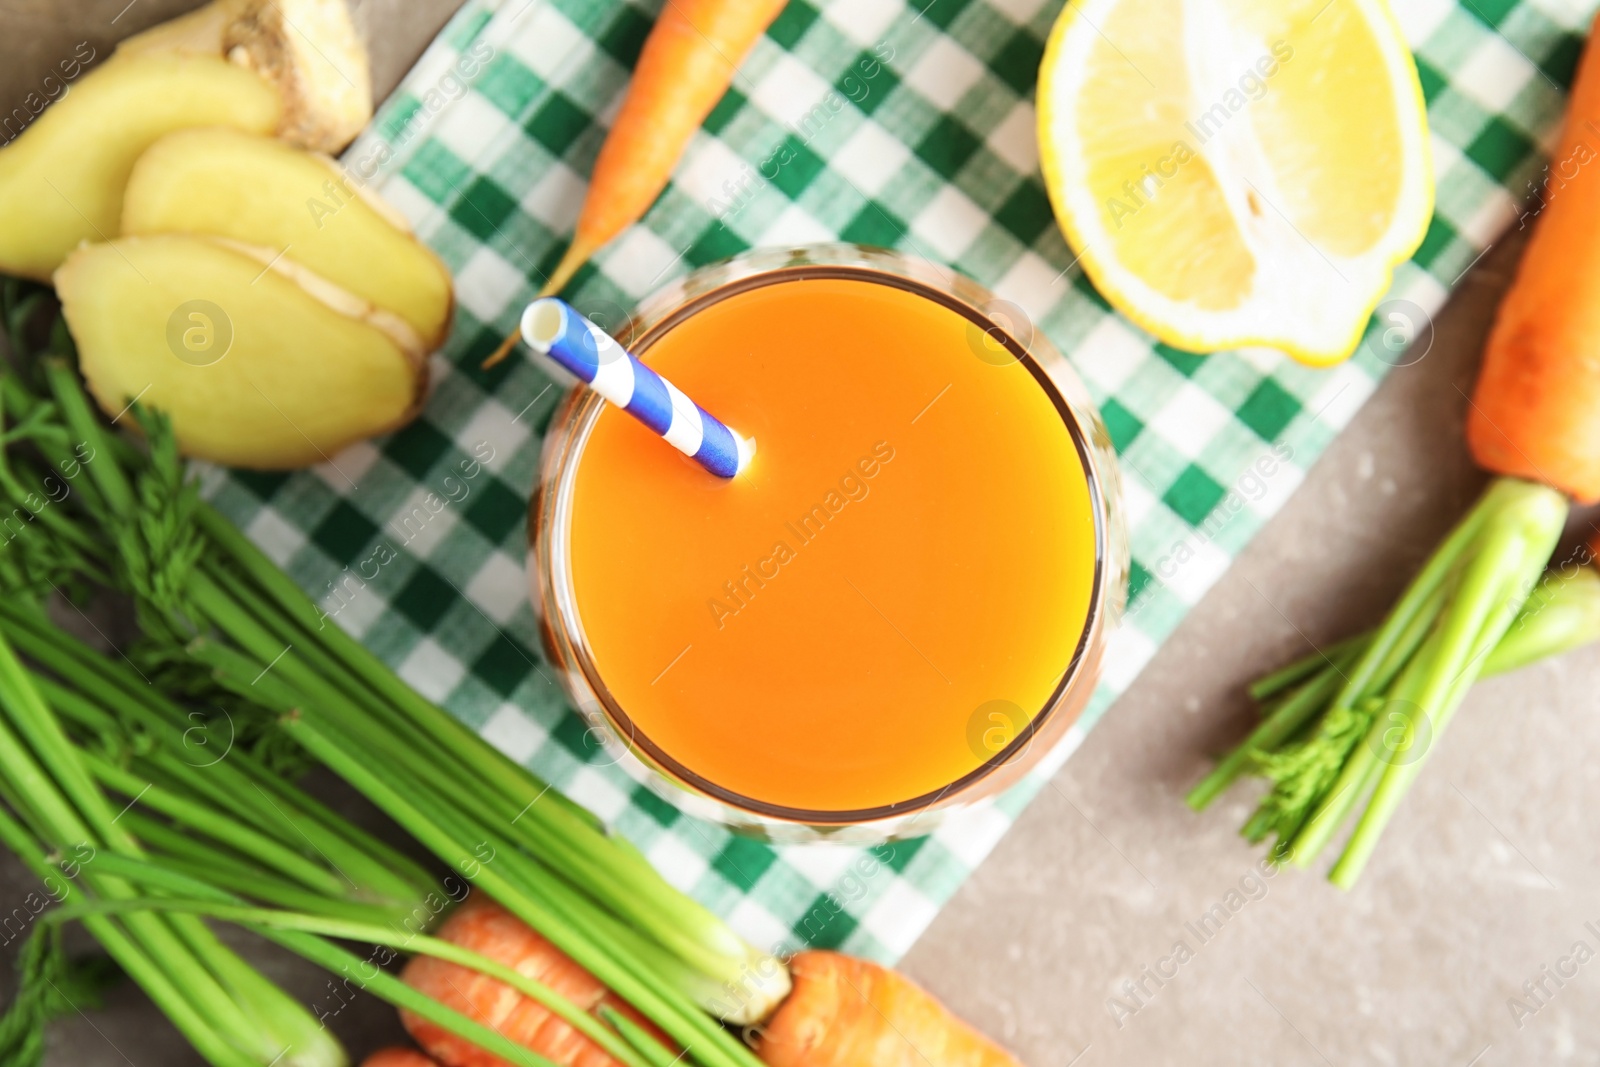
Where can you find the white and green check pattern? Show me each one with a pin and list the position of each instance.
(881, 123)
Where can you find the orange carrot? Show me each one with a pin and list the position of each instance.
(842, 1012)
(845, 1011)
(686, 65)
(398, 1057)
(486, 928)
(1536, 411)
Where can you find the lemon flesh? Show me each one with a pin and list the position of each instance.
(1237, 172)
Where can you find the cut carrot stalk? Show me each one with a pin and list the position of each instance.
(488, 929)
(1536, 411)
(686, 65)
(846, 1011)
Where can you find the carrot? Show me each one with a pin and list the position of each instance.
(1536, 411)
(842, 1012)
(398, 1057)
(686, 65)
(845, 1012)
(487, 928)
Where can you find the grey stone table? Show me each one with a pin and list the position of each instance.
(1484, 883)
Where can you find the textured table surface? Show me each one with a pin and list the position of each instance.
(1485, 883)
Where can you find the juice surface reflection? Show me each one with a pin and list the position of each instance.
(895, 585)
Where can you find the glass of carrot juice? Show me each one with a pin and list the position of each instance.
(900, 605)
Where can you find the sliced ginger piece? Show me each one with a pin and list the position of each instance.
(309, 49)
(346, 303)
(254, 370)
(260, 192)
(61, 181)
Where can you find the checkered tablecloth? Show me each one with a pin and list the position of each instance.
(910, 126)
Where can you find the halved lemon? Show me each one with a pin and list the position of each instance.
(1237, 172)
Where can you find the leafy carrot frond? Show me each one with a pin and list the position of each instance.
(50, 984)
(159, 544)
(1302, 773)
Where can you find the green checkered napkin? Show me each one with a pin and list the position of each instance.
(923, 141)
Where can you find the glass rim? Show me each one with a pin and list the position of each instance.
(577, 418)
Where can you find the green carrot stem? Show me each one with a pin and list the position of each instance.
(115, 488)
(293, 677)
(1324, 820)
(1488, 591)
(1298, 710)
(218, 827)
(380, 868)
(684, 1023)
(688, 966)
(173, 999)
(1385, 799)
(1340, 653)
(1415, 599)
(337, 961)
(300, 1039)
(255, 623)
(294, 683)
(37, 724)
(672, 917)
(445, 730)
(199, 860)
(73, 706)
(59, 525)
(1312, 697)
(415, 944)
(226, 791)
(1273, 730)
(620, 879)
(468, 827)
(1491, 593)
(467, 830)
(229, 602)
(112, 683)
(1563, 613)
(253, 999)
(1359, 772)
(179, 947)
(386, 987)
(417, 714)
(236, 783)
(639, 1039)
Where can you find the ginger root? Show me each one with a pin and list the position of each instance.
(61, 181)
(243, 286)
(308, 49)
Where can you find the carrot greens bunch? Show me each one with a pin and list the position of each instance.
(131, 757)
(1350, 728)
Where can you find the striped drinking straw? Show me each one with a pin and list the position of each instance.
(556, 329)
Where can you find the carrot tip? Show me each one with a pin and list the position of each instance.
(503, 351)
(576, 255)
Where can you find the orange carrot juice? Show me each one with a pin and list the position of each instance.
(906, 567)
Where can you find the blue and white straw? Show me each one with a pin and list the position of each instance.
(555, 328)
